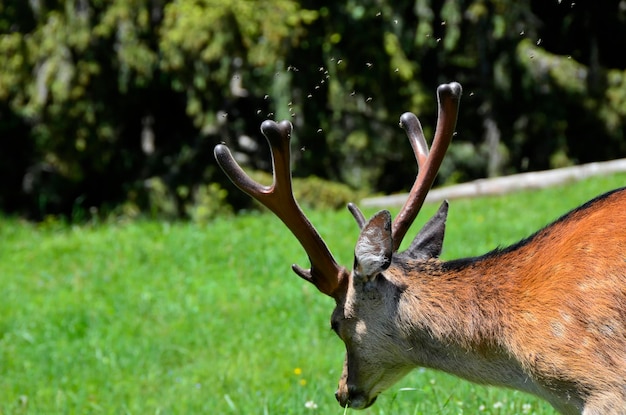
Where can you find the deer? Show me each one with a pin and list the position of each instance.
(546, 315)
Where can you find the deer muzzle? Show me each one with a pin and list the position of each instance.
(351, 397)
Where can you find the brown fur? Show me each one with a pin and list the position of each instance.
(547, 316)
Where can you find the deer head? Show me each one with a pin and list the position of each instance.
(367, 297)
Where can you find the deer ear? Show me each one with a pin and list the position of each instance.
(429, 240)
(374, 247)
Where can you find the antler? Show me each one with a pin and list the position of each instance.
(448, 97)
(324, 273)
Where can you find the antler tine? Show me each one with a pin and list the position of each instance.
(358, 215)
(414, 131)
(325, 273)
(448, 97)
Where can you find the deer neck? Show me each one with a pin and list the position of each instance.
(451, 316)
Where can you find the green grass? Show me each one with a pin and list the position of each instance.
(158, 318)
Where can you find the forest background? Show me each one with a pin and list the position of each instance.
(114, 107)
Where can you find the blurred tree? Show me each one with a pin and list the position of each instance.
(383, 58)
(103, 102)
(117, 92)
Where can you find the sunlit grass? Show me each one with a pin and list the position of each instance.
(147, 317)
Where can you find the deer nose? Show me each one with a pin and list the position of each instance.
(342, 398)
(343, 395)
(352, 398)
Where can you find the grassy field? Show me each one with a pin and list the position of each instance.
(161, 318)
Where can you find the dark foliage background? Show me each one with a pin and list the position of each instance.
(115, 106)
